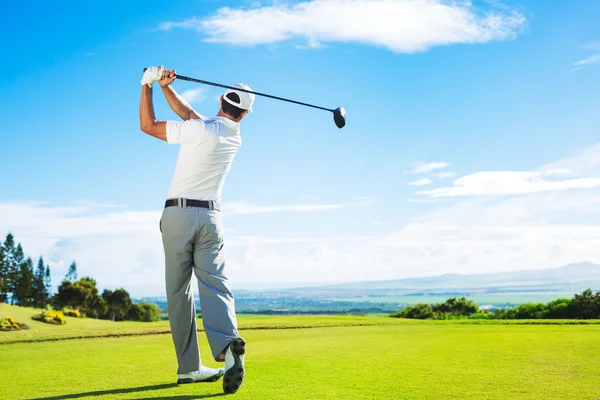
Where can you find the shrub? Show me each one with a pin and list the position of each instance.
(135, 313)
(151, 312)
(419, 311)
(559, 308)
(481, 315)
(50, 317)
(525, 311)
(457, 307)
(8, 323)
(72, 313)
(146, 312)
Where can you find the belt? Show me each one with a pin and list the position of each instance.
(184, 203)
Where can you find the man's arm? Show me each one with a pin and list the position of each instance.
(148, 122)
(176, 102)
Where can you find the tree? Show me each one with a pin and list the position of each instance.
(96, 307)
(7, 272)
(559, 309)
(3, 288)
(81, 295)
(92, 302)
(135, 312)
(15, 271)
(525, 311)
(70, 295)
(454, 306)
(586, 305)
(48, 282)
(23, 286)
(38, 287)
(146, 312)
(151, 312)
(72, 273)
(419, 311)
(118, 303)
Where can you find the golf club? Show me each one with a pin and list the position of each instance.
(339, 114)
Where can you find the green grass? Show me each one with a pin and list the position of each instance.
(374, 362)
(74, 328)
(340, 357)
(78, 328)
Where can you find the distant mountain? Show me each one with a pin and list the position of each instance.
(571, 277)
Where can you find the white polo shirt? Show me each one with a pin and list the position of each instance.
(207, 149)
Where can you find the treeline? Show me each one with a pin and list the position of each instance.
(21, 285)
(20, 282)
(585, 305)
(83, 295)
(451, 308)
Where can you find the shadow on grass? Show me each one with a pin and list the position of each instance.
(132, 390)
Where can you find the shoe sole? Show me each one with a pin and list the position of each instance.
(213, 378)
(234, 377)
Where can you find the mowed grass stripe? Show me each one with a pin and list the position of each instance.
(376, 362)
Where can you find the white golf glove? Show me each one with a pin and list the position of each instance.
(151, 75)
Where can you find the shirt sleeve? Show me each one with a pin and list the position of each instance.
(185, 132)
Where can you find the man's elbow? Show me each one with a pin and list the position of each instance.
(155, 129)
(145, 127)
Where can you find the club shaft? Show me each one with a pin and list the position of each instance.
(186, 78)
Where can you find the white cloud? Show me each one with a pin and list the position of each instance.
(403, 26)
(586, 62)
(584, 163)
(118, 247)
(593, 59)
(539, 229)
(468, 235)
(580, 171)
(445, 175)
(194, 95)
(558, 172)
(421, 182)
(421, 168)
(495, 183)
(477, 234)
(242, 207)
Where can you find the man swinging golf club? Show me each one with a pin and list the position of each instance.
(191, 227)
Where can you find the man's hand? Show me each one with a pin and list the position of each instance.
(167, 77)
(151, 75)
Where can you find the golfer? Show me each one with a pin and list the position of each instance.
(192, 230)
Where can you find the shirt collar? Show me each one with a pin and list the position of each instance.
(232, 125)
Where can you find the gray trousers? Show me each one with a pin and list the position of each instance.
(193, 243)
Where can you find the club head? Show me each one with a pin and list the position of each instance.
(339, 116)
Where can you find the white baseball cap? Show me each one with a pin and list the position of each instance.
(246, 99)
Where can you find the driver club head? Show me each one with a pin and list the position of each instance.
(339, 116)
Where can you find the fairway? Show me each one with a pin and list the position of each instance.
(400, 361)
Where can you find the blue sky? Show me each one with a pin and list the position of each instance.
(499, 97)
